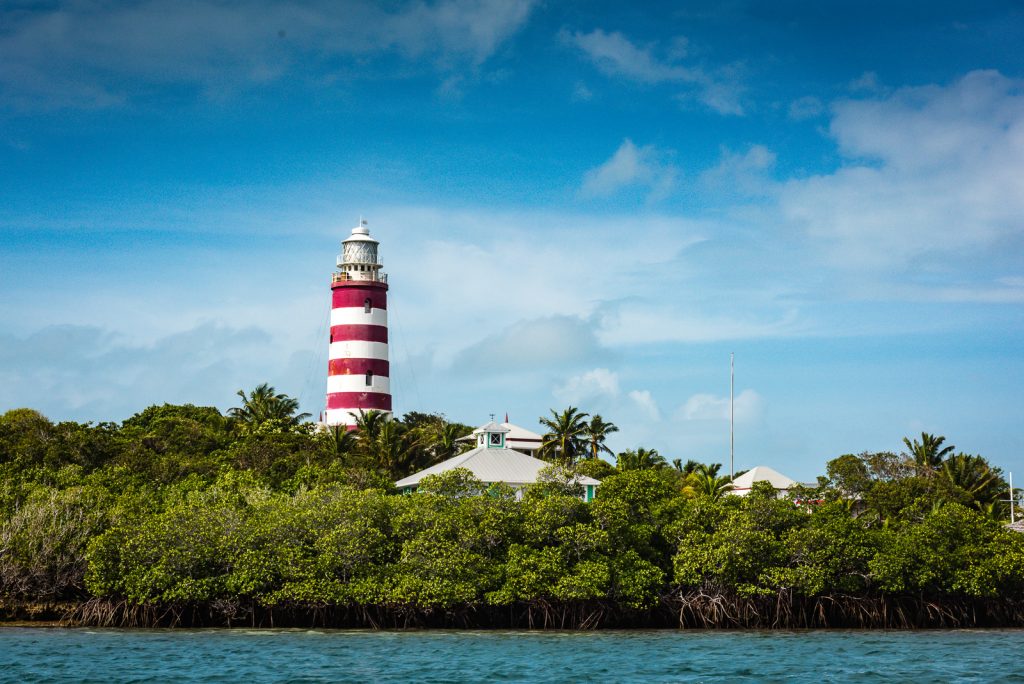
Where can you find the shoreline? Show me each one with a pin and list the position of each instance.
(682, 611)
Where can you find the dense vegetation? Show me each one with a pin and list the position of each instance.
(183, 515)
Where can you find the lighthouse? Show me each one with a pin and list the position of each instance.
(357, 366)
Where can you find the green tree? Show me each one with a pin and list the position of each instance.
(704, 481)
(850, 475)
(263, 404)
(640, 459)
(976, 477)
(25, 437)
(42, 545)
(952, 551)
(596, 433)
(437, 437)
(565, 439)
(928, 453)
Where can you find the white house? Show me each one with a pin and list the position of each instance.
(517, 437)
(493, 461)
(742, 485)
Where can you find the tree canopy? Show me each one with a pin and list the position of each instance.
(175, 507)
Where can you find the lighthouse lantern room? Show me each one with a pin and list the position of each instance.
(357, 368)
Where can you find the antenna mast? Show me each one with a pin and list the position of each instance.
(732, 415)
(1012, 517)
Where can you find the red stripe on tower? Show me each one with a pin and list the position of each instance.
(367, 400)
(343, 297)
(357, 366)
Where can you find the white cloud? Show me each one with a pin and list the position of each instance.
(744, 173)
(868, 81)
(651, 323)
(615, 55)
(473, 27)
(931, 171)
(591, 385)
(724, 98)
(86, 372)
(531, 345)
(806, 107)
(646, 403)
(631, 166)
(97, 54)
(581, 93)
(747, 405)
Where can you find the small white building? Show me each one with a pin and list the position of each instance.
(742, 485)
(493, 461)
(517, 437)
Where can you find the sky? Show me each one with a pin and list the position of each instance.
(586, 204)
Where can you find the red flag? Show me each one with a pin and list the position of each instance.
(506, 416)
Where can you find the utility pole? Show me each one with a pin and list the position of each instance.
(1012, 519)
(732, 417)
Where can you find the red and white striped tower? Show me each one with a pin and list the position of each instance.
(357, 366)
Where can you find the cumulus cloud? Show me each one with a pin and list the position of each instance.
(747, 406)
(930, 170)
(530, 345)
(722, 97)
(643, 400)
(615, 55)
(526, 266)
(868, 81)
(593, 384)
(745, 173)
(98, 54)
(631, 166)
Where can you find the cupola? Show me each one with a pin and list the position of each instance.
(492, 436)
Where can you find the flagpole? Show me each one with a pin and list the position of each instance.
(732, 416)
(1012, 520)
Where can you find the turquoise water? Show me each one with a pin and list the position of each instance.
(249, 656)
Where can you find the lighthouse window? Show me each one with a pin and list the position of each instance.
(369, 378)
(366, 305)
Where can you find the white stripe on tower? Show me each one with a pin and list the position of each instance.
(357, 315)
(358, 349)
(357, 383)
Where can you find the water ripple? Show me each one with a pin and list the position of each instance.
(277, 655)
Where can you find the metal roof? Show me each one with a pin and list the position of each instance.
(515, 432)
(492, 465)
(491, 427)
(763, 473)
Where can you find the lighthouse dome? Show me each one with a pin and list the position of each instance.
(358, 249)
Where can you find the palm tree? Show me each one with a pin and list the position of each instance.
(640, 459)
(704, 483)
(367, 430)
(974, 475)
(368, 424)
(445, 440)
(929, 453)
(263, 404)
(388, 445)
(565, 438)
(394, 451)
(596, 433)
(342, 439)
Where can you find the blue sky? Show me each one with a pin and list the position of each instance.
(578, 203)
